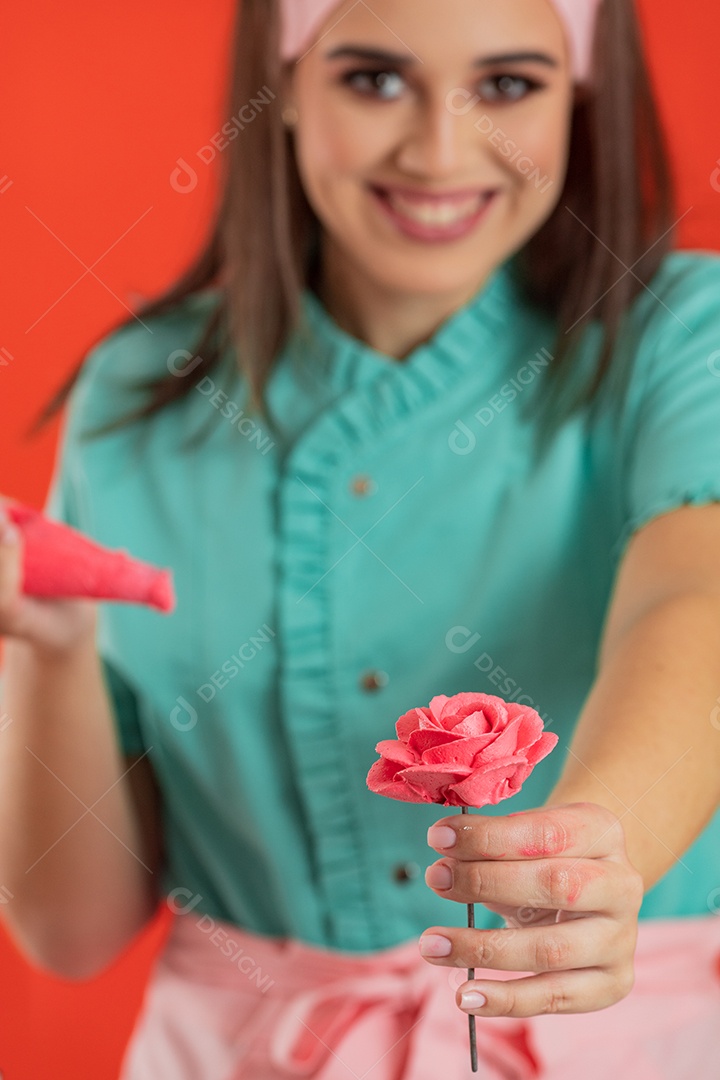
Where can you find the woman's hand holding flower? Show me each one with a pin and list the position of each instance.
(561, 878)
(559, 874)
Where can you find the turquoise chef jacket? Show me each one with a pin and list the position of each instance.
(393, 535)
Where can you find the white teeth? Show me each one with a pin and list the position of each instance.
(436, 212)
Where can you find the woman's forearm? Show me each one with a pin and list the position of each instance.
(72, 850)
(645, 745)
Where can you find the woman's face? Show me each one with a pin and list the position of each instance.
(447, 119)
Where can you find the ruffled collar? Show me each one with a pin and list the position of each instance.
(328, 354)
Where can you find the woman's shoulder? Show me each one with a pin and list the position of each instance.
(141, 344)
(677, 312)
(687, 279)
(140, 348)
(667, 355)
(683, 269)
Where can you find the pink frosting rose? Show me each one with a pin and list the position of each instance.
(464, 750)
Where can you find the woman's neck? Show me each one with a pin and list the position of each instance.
(393, 323)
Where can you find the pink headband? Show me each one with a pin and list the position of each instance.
(303, 18)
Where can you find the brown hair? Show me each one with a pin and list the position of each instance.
(615, 210)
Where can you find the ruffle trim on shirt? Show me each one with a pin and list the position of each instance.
(678, 496)
(315, 469)
(431, 366)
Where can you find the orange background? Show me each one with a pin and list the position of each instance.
(106, 98)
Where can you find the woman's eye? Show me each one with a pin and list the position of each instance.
(384, 83)
(510, 87)
(385, 80)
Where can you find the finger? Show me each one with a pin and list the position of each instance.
(569, 992)
(10, 578)
(557, 884)
(578, 943)
(581, 830)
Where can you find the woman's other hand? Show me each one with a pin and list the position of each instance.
(54, 626)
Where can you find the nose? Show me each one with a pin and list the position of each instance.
(439, 141)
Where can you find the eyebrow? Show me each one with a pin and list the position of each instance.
(359, 52)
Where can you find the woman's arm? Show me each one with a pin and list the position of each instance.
(76, 854)
(573, 876)
(647, 744)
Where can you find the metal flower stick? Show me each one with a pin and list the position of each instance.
(471, 975)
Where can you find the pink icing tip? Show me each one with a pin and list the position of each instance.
(60, 561)
(161, 593)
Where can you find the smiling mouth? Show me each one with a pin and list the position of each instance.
(437, 212)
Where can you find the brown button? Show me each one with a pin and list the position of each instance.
(374, 680)
(406, 871)
(362, 485)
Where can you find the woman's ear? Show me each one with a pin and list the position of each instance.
(287, 95)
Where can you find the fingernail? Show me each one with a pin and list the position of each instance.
(441, 836)
(472, 999)
(434, 945)
(439, 877)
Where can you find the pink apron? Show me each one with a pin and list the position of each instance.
(224, 1004)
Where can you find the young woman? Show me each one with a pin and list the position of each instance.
(450, 394)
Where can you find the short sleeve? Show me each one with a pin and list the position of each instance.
(672, 439)
(65, 502)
